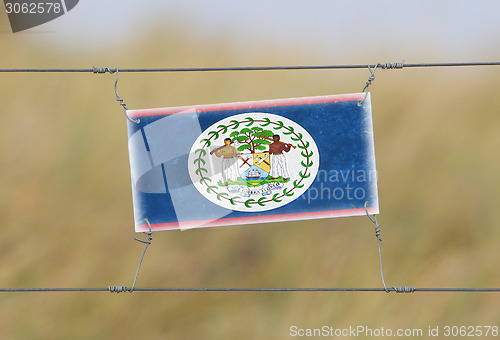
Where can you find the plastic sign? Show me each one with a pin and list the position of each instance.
(252, 162)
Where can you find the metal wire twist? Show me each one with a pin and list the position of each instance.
(379, 239)
(147, 242)
(371, 78)
(392, 66)
(404, 289)
(120, 100)
(377, 234)
(118, 289)
(102, 70)
(368, 83)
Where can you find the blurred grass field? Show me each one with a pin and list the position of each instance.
(66, 206)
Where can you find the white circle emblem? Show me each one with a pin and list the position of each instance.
(253, 162)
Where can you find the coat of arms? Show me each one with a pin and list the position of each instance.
(253, 162)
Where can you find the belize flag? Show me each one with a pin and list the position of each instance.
(252, 162)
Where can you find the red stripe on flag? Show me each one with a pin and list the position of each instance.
(256, 219)
(246, 105)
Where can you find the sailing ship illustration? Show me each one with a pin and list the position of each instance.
(253, 174)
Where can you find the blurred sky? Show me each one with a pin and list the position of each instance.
(445, 30)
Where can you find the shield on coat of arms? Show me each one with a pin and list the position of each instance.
(255, 167)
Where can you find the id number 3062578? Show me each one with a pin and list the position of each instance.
(454, 331)
(33, 8)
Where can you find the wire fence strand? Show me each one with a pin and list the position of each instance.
(246, 68)
(173, 289)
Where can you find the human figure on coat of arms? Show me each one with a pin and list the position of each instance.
(278, 160)
(229, 161)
